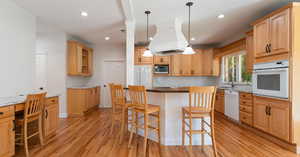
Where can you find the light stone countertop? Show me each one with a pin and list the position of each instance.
(83, 87)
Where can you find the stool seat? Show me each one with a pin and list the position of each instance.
(150, 109)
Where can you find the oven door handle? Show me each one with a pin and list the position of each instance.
(270, 70)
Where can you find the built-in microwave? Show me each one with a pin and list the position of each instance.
(161, 69)
(271, 79)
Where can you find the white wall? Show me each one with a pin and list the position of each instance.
(104, 52)
(17, 38)
(51, 48)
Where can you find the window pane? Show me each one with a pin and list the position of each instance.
(245, 77)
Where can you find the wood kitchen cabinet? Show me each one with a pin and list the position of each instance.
(219, 103)
(80, 59)
(82, 100)
(51, 116)
(7, 133)
(250, 52)
(164, 60)
(272, 116)
(272, 34)
(138, 56)
(246, 108)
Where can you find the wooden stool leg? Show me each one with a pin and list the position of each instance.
(41, 131)
(26, 139)
(122, 125)
(158, 126)
(213, 134)
(137, 124)
(145, 133)
(133, 123)
(190, 130)
(183, 128)
(202, 135)
(112, 124)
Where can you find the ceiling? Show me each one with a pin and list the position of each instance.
(106, 17)
(206, 28)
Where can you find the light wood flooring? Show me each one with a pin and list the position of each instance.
(89, 137)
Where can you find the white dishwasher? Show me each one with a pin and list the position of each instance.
(232, 104)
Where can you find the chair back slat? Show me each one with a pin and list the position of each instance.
(138, 97)
(202, 97)
(34, 104)
(118, 97)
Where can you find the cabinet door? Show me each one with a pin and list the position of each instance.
(250, 55)
(279, 119)
(186, 64)
(261, 38)
(137, 56)
(79, 59)
(90, 62)
(207, 62)
(197, 64)
(7, 136)
(176, 65)
(279, 32)
(51, 119)
(260, 117)
(161, 59)
(90, 98)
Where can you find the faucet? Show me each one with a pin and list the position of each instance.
(232, 84)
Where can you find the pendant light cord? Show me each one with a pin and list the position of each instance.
(189, 25)
(147, 13)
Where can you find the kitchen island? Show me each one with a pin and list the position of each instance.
(171, 101)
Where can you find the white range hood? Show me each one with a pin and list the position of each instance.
(169, 38)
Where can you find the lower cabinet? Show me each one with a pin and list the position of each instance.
(246, 108)
(81, 100)
(272, 116)
(219, 104)
(7, 133)
(51, 116)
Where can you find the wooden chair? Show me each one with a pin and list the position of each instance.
(33, 112)
(138, 97)
(201, 105)
(119, 108)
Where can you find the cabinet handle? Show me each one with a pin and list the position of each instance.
(46, 114)
(266, 110)
(161, 60)
(266, 48)
(1, 113)
(270, 111)
(140, 59)
(14, 125)
(270, 48)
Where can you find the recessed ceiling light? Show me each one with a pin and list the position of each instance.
(221, 16)
(84, 14)
(193, 39)
(107, 38)
(151, 38)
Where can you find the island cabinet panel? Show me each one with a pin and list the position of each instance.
(219, 103)
(164, 60)
(139, 59)
(51, 116)
(7, 133)
(80, 59)
(272, 116)
(272, 36)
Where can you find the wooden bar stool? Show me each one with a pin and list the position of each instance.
(33, 112)
(138, 97)
(119, 108)
(201, 105)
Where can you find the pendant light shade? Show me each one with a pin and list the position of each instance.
(189, 50)
(147, 52)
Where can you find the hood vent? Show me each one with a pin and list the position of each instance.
(169, 38)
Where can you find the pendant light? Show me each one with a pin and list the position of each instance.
(189, 50)
(147, 52)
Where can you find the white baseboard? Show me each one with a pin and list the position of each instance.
(63, 115)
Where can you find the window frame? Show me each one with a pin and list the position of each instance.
(239, 68)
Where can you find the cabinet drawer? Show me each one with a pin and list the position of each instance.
(52, 100)
(246, 102)
(246, 118)
(6, 111)
(245, 96)
(245, 108)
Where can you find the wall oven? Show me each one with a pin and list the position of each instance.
(161, 69)
(271, 79)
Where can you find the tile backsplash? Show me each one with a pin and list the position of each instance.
(184, 81)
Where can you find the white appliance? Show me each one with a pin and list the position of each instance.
(232, 104)
(271, 79)
(143, 75)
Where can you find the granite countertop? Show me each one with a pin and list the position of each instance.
(7, 101)
(83, 87)
(167, 90)
(238, 89)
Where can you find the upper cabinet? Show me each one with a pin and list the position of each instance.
(80, 59)
(272, 35)
(250, 52)
(139, 59)
(164, 60)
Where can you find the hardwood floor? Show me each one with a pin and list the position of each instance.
(89, 137)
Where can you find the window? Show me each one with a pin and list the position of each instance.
(234, 68)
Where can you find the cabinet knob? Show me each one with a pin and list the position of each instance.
(1, 113)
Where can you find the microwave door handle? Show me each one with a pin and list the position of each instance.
(270, 70)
